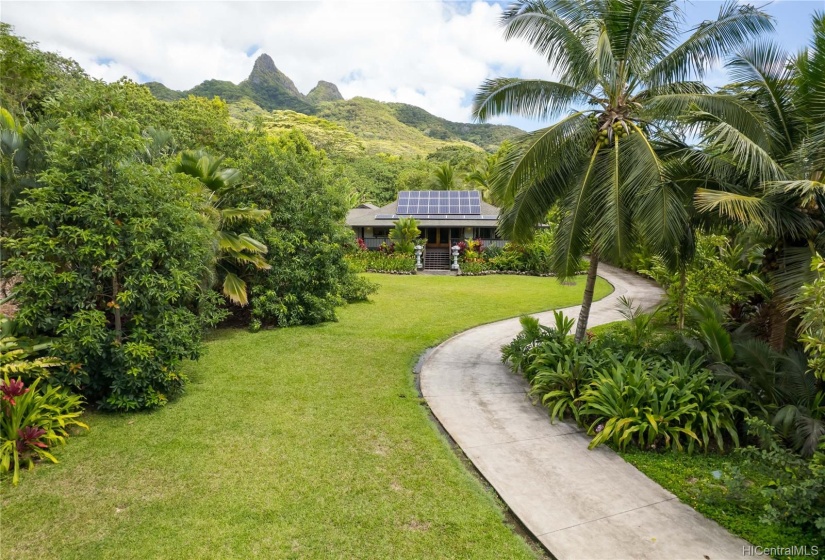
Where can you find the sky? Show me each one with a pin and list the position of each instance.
(429, 53)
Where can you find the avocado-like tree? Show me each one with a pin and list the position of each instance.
(623, 78)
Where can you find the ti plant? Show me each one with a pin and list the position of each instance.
(32, 422)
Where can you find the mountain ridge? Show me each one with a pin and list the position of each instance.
(272, 90)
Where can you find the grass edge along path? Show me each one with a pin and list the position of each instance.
(292, 443)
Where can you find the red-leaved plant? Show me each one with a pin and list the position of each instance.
(34, 421)
(11, 389)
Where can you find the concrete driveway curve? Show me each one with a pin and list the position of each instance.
(580, 504)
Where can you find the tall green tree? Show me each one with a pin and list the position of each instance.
(110, 251)
(768, 166)
(623, 77)
(305, 230)
(235, 251)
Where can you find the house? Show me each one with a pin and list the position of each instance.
(444, 218)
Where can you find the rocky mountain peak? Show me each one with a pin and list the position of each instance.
(324, 91)
(264, 72)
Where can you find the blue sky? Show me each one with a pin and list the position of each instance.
(429, 53)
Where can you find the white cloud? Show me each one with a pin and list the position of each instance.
(430, 54)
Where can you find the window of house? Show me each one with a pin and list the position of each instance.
(380, 232)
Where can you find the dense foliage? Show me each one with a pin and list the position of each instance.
(123, 215)
(304, 231)
(364, 260)
(112, 251)
(648, 399)
(404, 234)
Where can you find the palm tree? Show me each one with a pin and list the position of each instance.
(481, 177)
(769, 167)
(404, 234)
(444, 178)
(622, 79)
(234, 250)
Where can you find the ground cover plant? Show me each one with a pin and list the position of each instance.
(307, 442)
(725, 488)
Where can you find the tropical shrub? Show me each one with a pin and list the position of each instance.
(378, 261)
(18, 361)
(473, 267)
(111, 252)
(357, 288)
(304, 230)
(656, 403)
(781, 386)
(812, 326)
(648, 399)
(404, 235)
(237, 251)
(711, 273)
(796, 487)
(33, 422)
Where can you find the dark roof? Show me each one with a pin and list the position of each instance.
(387, 215)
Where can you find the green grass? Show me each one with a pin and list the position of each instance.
(306, 442)
(690, 478)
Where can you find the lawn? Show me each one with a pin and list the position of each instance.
(300, 442)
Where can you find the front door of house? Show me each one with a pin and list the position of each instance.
(438, 237)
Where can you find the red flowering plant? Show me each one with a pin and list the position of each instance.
(387, 249)
(470, 251)
(29, 438)
(361, 245)
(11, 389)
(33, 421)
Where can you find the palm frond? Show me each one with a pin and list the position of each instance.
(240, 242)
(241, 258)
(546, 153)
(235, 289)
(538, 99)
(755, 160)
(744, 209)
(575, 226)
(744, 115)
(552, 28)
(794, 270)
(709, 42)
(809, 68)
(230, 215)
(764, 65)
(611, 202)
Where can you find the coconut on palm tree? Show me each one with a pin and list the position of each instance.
(622, 78)
(234, 250)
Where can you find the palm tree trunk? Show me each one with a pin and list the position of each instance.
(682, 287)
(778, 325)
(587, 301)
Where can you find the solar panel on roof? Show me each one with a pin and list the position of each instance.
(413, 203)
